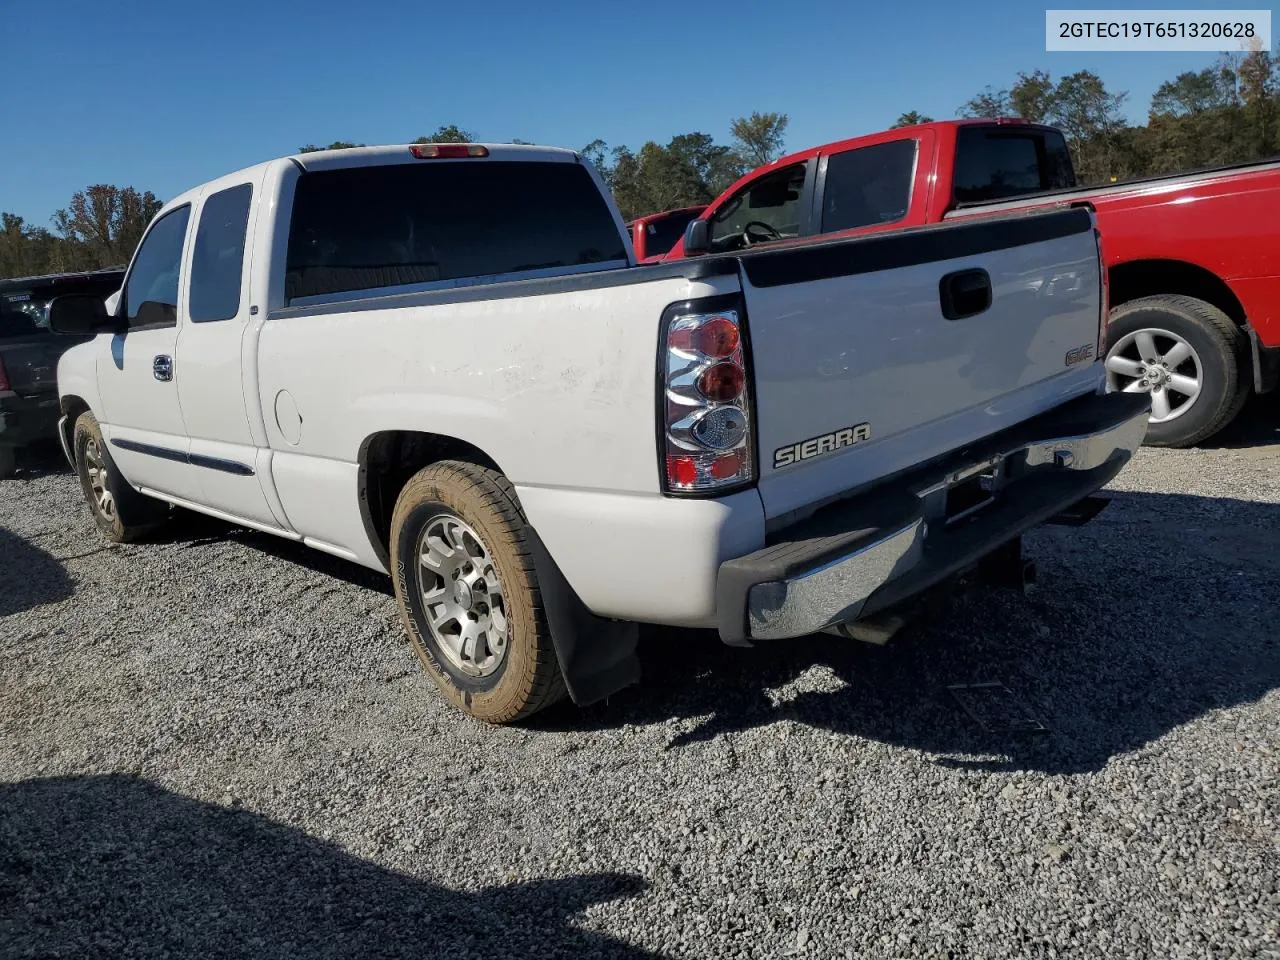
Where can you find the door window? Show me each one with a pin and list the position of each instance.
(766, 209)
(151, 292)
(217, 262)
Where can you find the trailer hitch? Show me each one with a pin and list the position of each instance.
(1080, 513)
(1005, 566)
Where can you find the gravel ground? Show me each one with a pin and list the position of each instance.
(218, 744)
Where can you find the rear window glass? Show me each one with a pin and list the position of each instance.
(369, 227)
(995, 164)
(20, 315)
(23, 309)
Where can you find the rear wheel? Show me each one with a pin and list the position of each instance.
(121, 513)
(8, 462)
(468, 593)
(1188, 355)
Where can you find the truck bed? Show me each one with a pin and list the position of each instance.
(1165, 181)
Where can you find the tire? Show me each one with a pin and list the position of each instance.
(121, 513)
(8, 462)
(1208, 349)
(507, 670)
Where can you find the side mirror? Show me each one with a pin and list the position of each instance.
(79, 315)
(697, 238)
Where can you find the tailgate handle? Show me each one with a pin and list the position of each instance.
(965, 293)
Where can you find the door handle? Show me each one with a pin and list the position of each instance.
(162, 367)
(965, 293)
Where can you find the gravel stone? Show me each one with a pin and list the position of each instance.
(216, 743)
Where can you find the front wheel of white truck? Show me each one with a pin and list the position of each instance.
(468, 592)
(121, 513)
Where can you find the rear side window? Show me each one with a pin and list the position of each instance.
(868, 186)
(218, 259)
(995, 163)
(369, 227)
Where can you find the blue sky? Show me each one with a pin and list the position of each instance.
(165, 95)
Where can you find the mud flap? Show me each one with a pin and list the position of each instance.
(597, 656)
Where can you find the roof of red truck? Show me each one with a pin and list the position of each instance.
(893, 133)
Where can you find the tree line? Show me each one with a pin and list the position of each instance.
(1226, 113)
(99, 228)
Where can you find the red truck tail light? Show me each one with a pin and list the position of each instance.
(447, 151)
(705, 403)
(4, 377)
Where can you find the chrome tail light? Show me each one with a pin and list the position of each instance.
(705, 412)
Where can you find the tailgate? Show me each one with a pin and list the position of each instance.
(32, 362)
(28, 350)
(875, 354)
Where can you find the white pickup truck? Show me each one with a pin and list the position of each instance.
(442, 362)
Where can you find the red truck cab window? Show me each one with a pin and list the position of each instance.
(867, 186)
(999, 163)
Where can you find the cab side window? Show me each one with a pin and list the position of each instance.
(998, 163)
(766, 209)
(150, 296)
(217, 262)
(868, 186)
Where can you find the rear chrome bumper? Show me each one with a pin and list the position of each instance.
(875, 549)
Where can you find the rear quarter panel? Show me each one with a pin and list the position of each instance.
(1229, 225)
(559, 390)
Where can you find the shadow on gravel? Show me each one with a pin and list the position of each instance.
(115, 866)
(40, 459)
(29, 576)
(1258, 425)
(194, 530)
(1158, 612)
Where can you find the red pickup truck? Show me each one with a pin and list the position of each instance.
(1193, 259)
(654, 235)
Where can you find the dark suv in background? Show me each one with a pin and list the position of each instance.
(29, 355)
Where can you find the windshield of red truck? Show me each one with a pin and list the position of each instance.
(997, 163)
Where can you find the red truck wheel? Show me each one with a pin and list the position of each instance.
(1188, 355)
